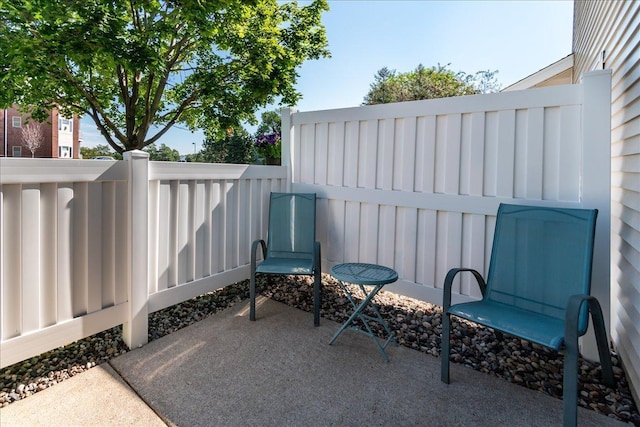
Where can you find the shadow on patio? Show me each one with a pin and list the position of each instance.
(225, 370)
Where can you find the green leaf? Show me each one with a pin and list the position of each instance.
(138, 67)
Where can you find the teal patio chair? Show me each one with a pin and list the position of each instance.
(538, 288)
(291, 247)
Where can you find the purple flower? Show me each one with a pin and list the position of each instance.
(269, 146)
(266, 140)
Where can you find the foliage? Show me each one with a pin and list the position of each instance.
(269, 145)
(32, 137)
(268, 135)
(162, 153)
(99, 150)
(270, 122)
(236, 147)
(196, 157)
(427, 83)
(139, 66)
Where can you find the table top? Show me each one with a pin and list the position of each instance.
(364, 274)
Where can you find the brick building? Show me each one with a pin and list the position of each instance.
(61, 135)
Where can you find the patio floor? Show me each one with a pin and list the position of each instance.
(279, 370)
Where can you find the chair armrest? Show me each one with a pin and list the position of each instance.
(448, 283)
(571, 332)
(572, 314)
(254, 248)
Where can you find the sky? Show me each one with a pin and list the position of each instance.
(516, 38)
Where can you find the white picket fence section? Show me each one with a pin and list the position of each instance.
(63, 257)
(202, 222)
(88, 245)
(415, 186)
(72, 259)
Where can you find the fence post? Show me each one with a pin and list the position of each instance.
(287, 136)
(135, 330)
(596, 189)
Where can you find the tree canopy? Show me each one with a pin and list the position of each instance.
(137, 67)
(427, 83)
(270, 121)
(162, 153)
(235, 147)
(101, 150)
(238, 145)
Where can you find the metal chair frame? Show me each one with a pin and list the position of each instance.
(505, 312)
(291, 248)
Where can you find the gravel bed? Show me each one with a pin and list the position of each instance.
(416, 324)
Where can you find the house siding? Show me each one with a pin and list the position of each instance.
(607, 36)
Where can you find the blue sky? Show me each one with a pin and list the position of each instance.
(517, 38)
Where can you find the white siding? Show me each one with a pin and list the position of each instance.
(613, 28)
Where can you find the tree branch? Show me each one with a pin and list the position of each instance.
(130, 107)
(123, 83)
(178, 113)
(104, 131)
(93, 102)
(162, 83)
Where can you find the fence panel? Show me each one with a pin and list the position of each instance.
(58, 259)
(67, 238)
(416, 185)
(203, 218)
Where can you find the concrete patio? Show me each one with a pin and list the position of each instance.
(226, 371)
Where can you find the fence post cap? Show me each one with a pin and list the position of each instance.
(135, 154)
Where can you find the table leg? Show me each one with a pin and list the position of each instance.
(359, 313)
(380, 319)
(356, 312)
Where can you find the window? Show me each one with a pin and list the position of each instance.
(17, 151)
(16, 122)
(65, 125)
(65, 152)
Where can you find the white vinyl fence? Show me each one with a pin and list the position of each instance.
(415, 186)
(88, 245)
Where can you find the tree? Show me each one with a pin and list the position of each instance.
(99, 151)
(194, 158)
(137, 67)
(235, 147)
(270, 122)
(268, 139)
(162, 153)
(427, 83)
(32, 137)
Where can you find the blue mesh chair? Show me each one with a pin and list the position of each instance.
(538, 288)
(291, 247)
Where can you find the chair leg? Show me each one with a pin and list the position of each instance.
(317, 297)
(317, 283)
(444, 353)
(570, 384)
(571, 353)
(252, 282)
(252, 296)
(601, 340)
